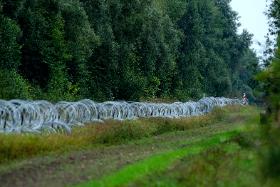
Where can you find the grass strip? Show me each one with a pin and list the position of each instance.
(158, 162)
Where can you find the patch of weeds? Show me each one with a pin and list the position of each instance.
(120, 133)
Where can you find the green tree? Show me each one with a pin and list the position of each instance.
(136, 49)
(57, 41)
(80, 40)
(103, 63)
(12, 85)
(9, 47)
(270, 77)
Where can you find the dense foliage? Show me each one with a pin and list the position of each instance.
(271, 75)
(123, 49)
(271, 80)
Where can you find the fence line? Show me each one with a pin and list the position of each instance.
(36, 116)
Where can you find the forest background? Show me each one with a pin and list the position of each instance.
(124, 50)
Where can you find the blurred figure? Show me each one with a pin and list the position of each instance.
(245, 99)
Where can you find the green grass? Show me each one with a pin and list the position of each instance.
(154, 171)
(157, 163)
(113, 146)
(227, 164)
(236, 162)
(23, 146)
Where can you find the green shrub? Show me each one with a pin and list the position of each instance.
(13, 86)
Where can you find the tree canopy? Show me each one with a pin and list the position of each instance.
(123, 50)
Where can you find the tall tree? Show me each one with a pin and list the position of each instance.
(127, 50)
(12, 85)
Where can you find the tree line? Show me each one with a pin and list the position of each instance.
(123, 50)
